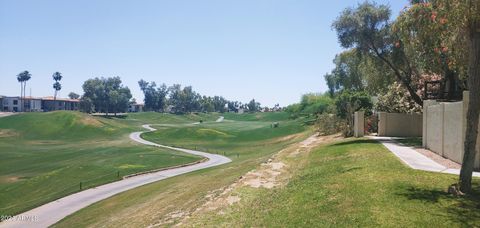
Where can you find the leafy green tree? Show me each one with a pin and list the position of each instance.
(440, 54)
(73, 95)
(314, 104)
(397, 100)
(454, 48)
(347, 103)
(346, 74)
(206, 104)
(367, 29)
(106, 95)
(253, 106)
(155, 98)
(356, 71)
(219, 104)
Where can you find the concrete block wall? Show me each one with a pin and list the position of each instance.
(444, 129)
(359, 124)
(399, 124)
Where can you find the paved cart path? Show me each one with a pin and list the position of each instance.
(50, 213)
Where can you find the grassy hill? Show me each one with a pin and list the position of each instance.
(247, 139)
(346, 183)
(44, 156)
(352, 183)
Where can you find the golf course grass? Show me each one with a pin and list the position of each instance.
(352, 183)
(44, 156)
(248, 139)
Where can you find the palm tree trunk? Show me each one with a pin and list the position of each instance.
(24, 95)
(21, 96)
(473, 111)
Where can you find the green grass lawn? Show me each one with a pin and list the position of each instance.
(44, 156)
(167, 118)
(232, 137)
(353, 183)
(248, 139)
(411, 141)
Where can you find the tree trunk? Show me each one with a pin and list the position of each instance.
(417, 99)
(21, 96)
(24, 95)
(473, 109)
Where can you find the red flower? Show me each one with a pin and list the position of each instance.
(434, 16)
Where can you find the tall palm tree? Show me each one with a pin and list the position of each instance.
(23, 77)
(57, 76)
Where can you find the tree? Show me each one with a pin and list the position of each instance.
(347, 103)
(155, 98)
(106, 95)
(397, 100)
(357, 72)
(469, 11)
(73, 95)
(440, 54)
(346, 74)
(253, 106)
(57, 76)
(23, 77)
(206, 104)
(219, 104)
(367, 29)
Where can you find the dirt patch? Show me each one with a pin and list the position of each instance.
(273, 173)
(43, 142)
(8, 133)
(90, 121)
(265, 177)
(10, 179)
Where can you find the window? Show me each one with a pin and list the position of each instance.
(15, 102)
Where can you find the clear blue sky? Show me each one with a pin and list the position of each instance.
(270, 50)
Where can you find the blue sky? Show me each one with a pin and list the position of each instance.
(270, 50)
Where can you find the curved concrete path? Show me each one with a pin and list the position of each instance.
(50, 213)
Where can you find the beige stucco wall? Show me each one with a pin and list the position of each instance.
(399, 124)
(359, 124)
(444, 129)
(435, 128)
(453, 131)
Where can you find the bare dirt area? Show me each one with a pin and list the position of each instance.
(273, 173)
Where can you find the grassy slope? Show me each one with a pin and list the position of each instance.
(350, 184)
(44, 156)
(249, 136)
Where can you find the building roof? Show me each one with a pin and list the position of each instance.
(48, 98)
(51, 98)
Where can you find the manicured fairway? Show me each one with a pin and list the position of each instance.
(247, 139)
(44, 156)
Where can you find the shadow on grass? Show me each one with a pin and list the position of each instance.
(464, 210)
(114, 117)
(356, 141)
(426, 195)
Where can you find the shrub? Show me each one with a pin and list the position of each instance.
(328, 124)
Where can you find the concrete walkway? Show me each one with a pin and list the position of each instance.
(5, 114)
(414, 159)
(50, 213)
